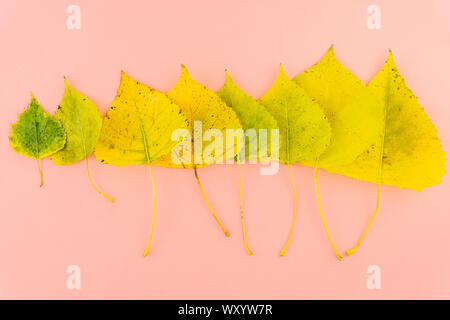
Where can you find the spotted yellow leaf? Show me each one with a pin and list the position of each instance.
(204, 110)
(137, 128)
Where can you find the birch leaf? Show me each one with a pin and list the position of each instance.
(82, 123)
(253, 116)
(36, 134)
(201, 105)
(409, 154)
(137, 129)
(138, 126)
(350, 107)
(304, 129)
(353, 112)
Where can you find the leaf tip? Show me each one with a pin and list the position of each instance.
(66, 83)
(184, 71)
(330, 52)
(281, 73)
(123, 76)
(227, 76)
(390, 56)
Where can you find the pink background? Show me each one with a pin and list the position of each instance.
(44, 230)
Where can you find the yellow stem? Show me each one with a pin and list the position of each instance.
(89, 175)
(295, 212)
(153, 216)
(207, 203)
(351, 251)
(321, 214)
(40, 173)
(242, 212)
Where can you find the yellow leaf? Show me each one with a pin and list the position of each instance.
(351, 109)
(137, 129)
(412, 156)
(201, 105)
(408, 153)
(353, 112)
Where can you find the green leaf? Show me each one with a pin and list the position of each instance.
(36, 134)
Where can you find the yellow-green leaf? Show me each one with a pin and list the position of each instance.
(409, 154)
(351, 109)
(304, 129)
(252, 115)
(81, 122)
(36, 134)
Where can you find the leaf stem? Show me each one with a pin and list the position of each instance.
(351, 251)
(207, 203)
(316, 184)
(153, 215)
(92, 183)
(40, 173)
(295, 212)
(242, 212)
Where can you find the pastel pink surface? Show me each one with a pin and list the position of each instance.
(44, 230)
